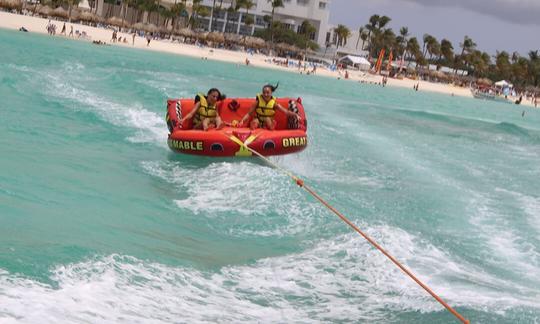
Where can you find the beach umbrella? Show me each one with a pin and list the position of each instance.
(150, 28)
(255, 42)
(202, 36)
(138, 26)
(215, 37)
(233, 38)
(74, 14)
(88, 16)
(146, 27)
(11, 4)
(282, 46)
(116, 21)
(59, 12)
(45, 10)
(484, 81)
(186, 32)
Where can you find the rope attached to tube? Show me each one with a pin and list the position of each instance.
(301, 184)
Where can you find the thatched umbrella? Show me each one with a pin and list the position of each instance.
(233, 38)
(11, 4)
(282, 46)
(88, 16)
(146, 27)
(186, 32)
(215, 37)
(164, 30)
(45, 10)
(202, 36)
(138, 26)
(255, 42)
(74, 15)
(484, 81)
(150, 28)
(116, 21)
(59, 12)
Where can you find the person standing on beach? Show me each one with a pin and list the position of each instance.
(148, 39)
(133, 39)
(63, 32)
(71, 31)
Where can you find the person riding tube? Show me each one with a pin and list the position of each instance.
(265, 107)
(205, 113)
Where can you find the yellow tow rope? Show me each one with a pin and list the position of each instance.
(301, 183)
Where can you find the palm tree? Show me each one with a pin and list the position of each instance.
(383, 21)
(364, 36)
(360, 32)
(176, 10)
(447, 50)
(306, 29)
(502, 64)
(534, 68)
(413, 47)
(466, 48)
(402, 38)
(427, 39)
(371, 27)
(247, 4)
(233, 8)
(212, 15)
(342, 33)
(275, 4)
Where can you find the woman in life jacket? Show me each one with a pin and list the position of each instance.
(205, 113)
(265, 106)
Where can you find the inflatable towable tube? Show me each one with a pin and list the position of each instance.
(289, 136)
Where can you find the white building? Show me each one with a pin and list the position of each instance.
(294, 12)
(292, 15)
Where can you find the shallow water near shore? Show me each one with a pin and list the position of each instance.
(100, 222)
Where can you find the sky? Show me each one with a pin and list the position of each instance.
(510, 25)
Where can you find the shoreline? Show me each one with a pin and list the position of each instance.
(38, 25)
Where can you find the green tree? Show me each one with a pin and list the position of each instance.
(467, 47)
(342, 33)
(306, 30)
(447, 51)
(360, 32)
(502, 65)
(275, 4)
(247, 4)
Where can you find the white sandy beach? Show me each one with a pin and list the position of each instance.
(38, 25)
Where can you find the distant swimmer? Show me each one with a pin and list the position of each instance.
(523, 113)
(23, 29)
(517, 102)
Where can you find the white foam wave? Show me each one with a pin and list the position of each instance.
(150, 127)
(508, 245)
(251, 199)
(343, 279)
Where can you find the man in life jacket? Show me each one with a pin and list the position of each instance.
(265, 107)
(205, 114)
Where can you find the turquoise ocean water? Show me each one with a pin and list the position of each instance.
(101, 223)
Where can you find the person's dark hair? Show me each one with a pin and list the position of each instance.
(220, 95)
(272, 87)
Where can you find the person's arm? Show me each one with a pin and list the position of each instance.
(251, 110)
(191, 113)
(286, 111)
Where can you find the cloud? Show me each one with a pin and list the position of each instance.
(522, 12)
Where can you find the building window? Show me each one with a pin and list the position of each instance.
(322, 5)
(302, 2)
